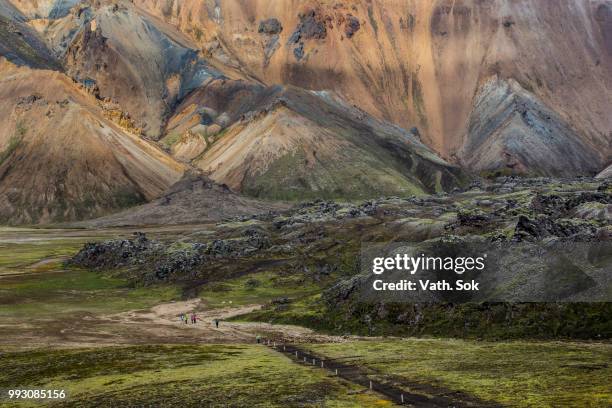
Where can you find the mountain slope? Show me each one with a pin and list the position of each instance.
(420, 62)
(34, 9)
(286, 143)
(129, 57)
(21, 44)
(511, 130)
(134, 62)
(606, 173)
(61, 159)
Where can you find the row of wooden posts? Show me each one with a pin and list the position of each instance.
(273, 344)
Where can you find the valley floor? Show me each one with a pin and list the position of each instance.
(109, 344)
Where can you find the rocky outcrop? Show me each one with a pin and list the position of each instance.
(270, 26)
(160, 262)
(543, 226)
(115, 253)
(311, 27)
(352, 26)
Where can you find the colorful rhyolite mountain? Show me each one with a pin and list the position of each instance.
(105, 104)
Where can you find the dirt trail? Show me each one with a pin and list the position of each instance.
(163, 322)
(157, 325)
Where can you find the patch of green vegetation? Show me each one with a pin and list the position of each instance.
(13, 144)
(198, 33)
(210, 141)
(517, 374)
(62, 293)
(179, 246)
(171, 139)
(127, 197)
(307, 311)
(257, 288)
(291, 178)
(494, 321)
(187, 376)
(14, 257)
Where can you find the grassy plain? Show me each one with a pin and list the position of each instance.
(178, 375)
(516, 374)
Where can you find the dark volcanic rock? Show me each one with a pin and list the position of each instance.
(344, 289)
(352, 26)
(311, 26)
(556, 205)
(475, 219)
(114, 253)
(270, 26)
(543, 226)
(298, 52)
(164, 260)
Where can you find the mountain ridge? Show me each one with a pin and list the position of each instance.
(301, 99)
(406, 62)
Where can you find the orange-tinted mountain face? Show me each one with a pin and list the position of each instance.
(423, 63)
(294, 99)
(62, 159)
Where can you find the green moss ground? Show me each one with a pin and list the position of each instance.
(56, 294)
(187, 376)
(16, 258)
(35, 284)
(516, 374)
(257, 288)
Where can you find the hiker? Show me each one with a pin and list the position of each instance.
(182, 317)
(186, 321)
(194, 319)
(217, 323)
(258, 339)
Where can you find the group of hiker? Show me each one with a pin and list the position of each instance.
(188, 317)
(193, 318)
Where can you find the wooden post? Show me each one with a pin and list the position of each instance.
(336, 371)
(296, 354)
(284, 348)
(321, 363)
(402, 398)
(313, 361)
(304, 359)
(371, 384)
